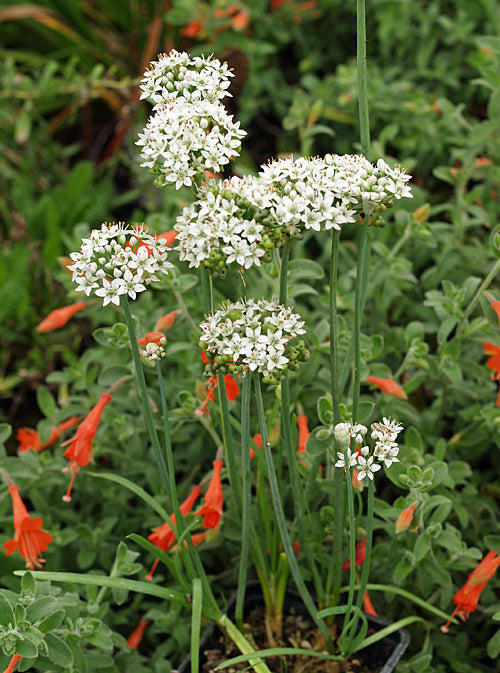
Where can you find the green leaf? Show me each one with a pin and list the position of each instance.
(493, 646)
(101, 640)
(144, 495)
(119, 595)
(113, 337)
(5, 432)
(6, 612)
(422, 546)
(79, 660)
(325, 410)
(46, 402)
(26, 648)
(28, 585)
(39, 608)
(51, 622)
(492, 542)
(57, 651)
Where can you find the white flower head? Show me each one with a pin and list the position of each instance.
(244, 336)
(117, 260)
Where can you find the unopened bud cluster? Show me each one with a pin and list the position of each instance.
(367, 460)
(117, 260)
(190, 131)
(253, 336)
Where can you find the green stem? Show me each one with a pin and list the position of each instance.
(352, 553)
(227, 438)
(246, 484)
(242, 643)
(281, 521)
(364, 119)
(472, 305)
(365, 572)
(185, 312)
(284, 271)
(359, 301)
(146, 407)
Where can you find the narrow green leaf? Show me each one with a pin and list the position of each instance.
(140, 492)
(196, 624)
(278, 652)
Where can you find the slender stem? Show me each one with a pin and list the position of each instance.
(352, 549)
(359, 301)
(284, 271)
(364, 119)
(185, 312)
(242, 643)
(475, 298)
(281, 521)
(334, 365)
(246, 484)
(227, 438)
(146, 407)
(179, 520)
(369, 540)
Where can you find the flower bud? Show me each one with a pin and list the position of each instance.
(342, 434)
(405, 518)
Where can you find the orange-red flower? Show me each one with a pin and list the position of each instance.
(151, 338)
(29, 538)
(60, 317)
(388, 386)
(79, 452)
(467, 597)
(13, 662)
(168, 237)
(212, 508)
(303, 432)
(163, 536)
(30, 439)
(359, 555)
(135, 638)
(368, 605)
(192, 30)
(166, 321)
(357, 483)
(493, 363)
(232, 391)
(495, 305)
(405, 518)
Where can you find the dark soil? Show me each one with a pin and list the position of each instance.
(297, 632)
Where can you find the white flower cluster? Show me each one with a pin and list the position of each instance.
(253, 335)
(385, 449)
(154, 350)
(229, 223)
(190, 131)
(324, 193)
(118, 260)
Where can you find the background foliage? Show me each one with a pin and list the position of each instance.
(69, 117)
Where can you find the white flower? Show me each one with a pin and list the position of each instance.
(117, 260)
(352, 459)
(245, 336)
(366, 467)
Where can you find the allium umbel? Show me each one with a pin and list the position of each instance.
(253, 336)
(367, 461)
(117, 260)
(190, 131)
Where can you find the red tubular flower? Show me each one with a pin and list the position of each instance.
(303, 433)
(388, 386)
(79, 452)
(135, 638)
(495, 305)
(494, 364)
(359, 555)
(357, 483)
(166, 321)
(60, 317)
(151, 338)
(168, 237)
(196, 539)
(232, 391)
(13, 662)
(405, 518)
(368, 605)
(163, 536)
(467, 597)
(212, 508)
(30, 439)
(29, 538)
(192, 30)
